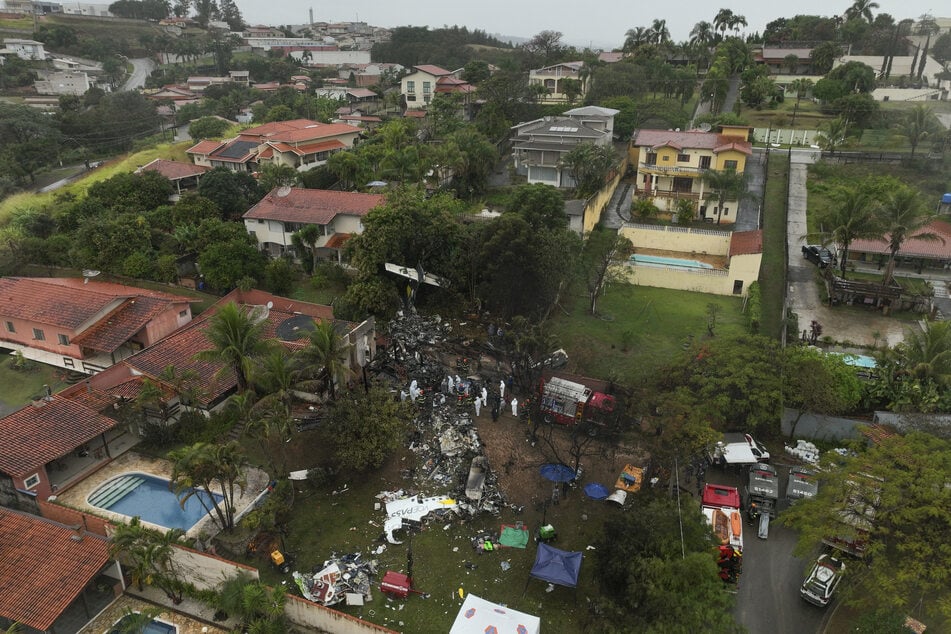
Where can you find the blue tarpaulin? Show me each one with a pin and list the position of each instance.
(557, 566)
(596, 491)
(557, 472)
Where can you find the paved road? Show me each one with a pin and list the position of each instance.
(141, 68)
(768, 598)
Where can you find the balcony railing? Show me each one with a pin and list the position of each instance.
(663, 169)
(666, 193)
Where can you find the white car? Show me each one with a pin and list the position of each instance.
(823, 580)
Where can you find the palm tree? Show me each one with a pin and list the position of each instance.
(260, 609)
(634, 38)
(702, 33)
(727, 185)
(801, 86)
(149, 556)
(737, 21)
(861, 9)
(851, 217)
(723, 21)
(659, 33)
(926, 355)
(833, 136)
(919, 123)
(211, 468)
(901, 216)
(306, 240)
(326, 354)
(236, 341)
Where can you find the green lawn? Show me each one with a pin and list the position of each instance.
(640, 329)
(20, 386)
(323, 292)
(772, 277)
(128, 163)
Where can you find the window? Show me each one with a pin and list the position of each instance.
(666, 157)
(738, 290)
(427, 87)
(729, 165)
(63, 340)
(39, 335)
(651, 158)
(683, 158)
(10, 327)
(705, 162)
(411, 87)
(682, 184)
(183, 313)
(32, 481)
(410, 97)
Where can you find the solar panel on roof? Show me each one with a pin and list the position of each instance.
(237, 149)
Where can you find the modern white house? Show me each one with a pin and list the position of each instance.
(25, 49)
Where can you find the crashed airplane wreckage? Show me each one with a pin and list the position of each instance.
(409, 512)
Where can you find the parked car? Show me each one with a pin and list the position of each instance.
(818, 255)
(821, 583)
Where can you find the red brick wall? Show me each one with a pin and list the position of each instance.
(72, 517)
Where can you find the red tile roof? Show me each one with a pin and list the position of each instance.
(120, 326)
(67, 302)
(268, 129)
(204, 147)
(691, 139)
(738, 146)
(35, 435)
(43, 569)
(433, 70)
(337, 240)
(173, 170)
(913, 247)
(746, 242)
(310, 148)
(361, 93)
(312, 206)
(312, 133)
(415, 114)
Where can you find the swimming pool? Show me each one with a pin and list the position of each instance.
(858, 360)
(657, 260)
(152, 627)
(151, 499)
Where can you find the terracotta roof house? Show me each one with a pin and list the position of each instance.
(182, 175)
(82, 324)
(539, 145)
(551, 79)
(300, 143)
(671, 166)
(38, 439)
(775, 60)
(419, 86)
(178, 94)
(284, 211)
(915, 253)
(52, 576)
(287, 321)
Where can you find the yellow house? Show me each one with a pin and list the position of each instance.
(672, 166)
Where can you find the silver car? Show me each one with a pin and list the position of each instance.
(826, 574)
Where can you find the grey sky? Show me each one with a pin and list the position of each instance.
(601, 23)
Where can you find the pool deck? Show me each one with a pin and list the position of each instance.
(116, 610)
(131, 461)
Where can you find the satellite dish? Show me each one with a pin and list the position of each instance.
(90, 272)
(706, 127)
(270, 305)
(283, 191)
(258, 313)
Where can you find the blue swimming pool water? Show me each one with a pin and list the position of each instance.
(657, 260)
(153, 627)
(151, 499)
(858, 360)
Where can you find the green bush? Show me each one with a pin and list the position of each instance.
(754, 308)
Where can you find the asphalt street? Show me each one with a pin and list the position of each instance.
(768, 600)
(140, 72)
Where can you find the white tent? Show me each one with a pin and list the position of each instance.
(478, 616)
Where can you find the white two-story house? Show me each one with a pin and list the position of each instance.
(419, 87)
(285, 210)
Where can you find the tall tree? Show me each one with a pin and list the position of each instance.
(212, 468)
(918, 124)
(851, 217)
(861, 9)
(589, 165)
(702, 33)
(818, 383)
(230, 13)
(726, 185)
(900, 216)
(801, 86)
(149, 556)
(898, 488)
(603, 253)
(237, 340)
(367, 428)
(659, 33)
(259, 608)
(833, 135)
(723, 21)
(926, 354)
(327, 354)
(633, 38)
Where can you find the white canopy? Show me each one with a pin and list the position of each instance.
(478, 616)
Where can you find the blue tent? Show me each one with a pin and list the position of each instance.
(557, 566)
(557, 472)
(596, 491)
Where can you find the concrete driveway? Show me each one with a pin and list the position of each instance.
(803, 290)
